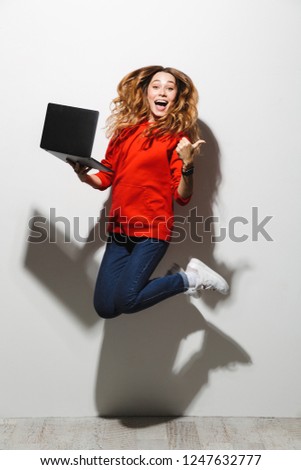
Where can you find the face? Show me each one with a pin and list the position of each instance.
(161, 94)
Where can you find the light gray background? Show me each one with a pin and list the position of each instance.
(233, 356)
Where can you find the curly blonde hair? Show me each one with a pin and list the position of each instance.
(131, 106)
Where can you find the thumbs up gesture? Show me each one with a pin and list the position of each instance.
(186, 150)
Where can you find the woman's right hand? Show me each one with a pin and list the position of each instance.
(82, 173)
(80, 170)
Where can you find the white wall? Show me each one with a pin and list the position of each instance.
(235, 356)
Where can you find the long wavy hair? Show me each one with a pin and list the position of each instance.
(131, 106)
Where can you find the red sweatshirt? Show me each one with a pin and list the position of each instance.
(144, 183)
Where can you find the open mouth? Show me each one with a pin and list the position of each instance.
(161, 104)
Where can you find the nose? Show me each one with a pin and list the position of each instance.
(162, 93)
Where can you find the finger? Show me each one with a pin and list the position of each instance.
(182, 145)
(79, 168)
(70, 162)
(198, 143)
(84, 170)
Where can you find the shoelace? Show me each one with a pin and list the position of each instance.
(207, 287)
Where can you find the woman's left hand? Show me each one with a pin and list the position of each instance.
(186, 150)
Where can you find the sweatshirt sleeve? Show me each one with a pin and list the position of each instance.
(176, 173)
(110, 162)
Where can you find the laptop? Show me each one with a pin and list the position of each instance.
(69, 133)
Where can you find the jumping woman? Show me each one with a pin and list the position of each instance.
(154, 139)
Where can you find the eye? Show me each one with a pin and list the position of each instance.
(170, 89)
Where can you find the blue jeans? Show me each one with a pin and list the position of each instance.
(123, 284)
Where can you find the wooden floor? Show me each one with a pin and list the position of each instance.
(151, 433)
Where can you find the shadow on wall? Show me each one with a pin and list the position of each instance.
(61, 266)
(137, 374)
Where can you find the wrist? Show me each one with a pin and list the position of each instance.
(187, 165)
(188, 172)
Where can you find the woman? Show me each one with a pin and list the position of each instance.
(152, 125)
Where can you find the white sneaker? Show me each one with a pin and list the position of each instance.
(206, 278)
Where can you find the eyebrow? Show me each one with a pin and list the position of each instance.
(170, 81)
